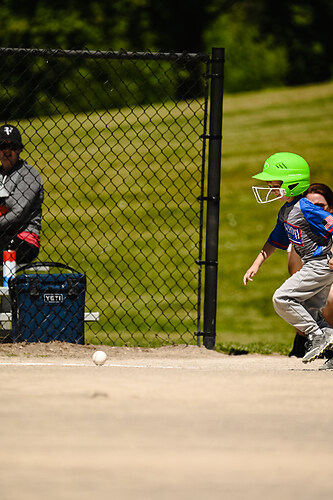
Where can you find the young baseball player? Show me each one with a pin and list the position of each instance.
(308, 228)
(321, 195)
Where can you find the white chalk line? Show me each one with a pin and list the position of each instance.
(91, 365)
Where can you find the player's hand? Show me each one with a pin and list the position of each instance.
(330, 264)
(250, 273)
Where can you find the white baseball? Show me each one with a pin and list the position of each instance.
(99, 358)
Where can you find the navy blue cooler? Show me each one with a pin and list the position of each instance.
(48, 306)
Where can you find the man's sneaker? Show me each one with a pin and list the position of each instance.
(328, 365)
(317, 344)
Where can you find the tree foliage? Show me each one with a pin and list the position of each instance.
(303, 29)
(267, 43)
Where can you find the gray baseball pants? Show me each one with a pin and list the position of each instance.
(301, 298)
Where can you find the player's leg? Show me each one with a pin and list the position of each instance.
(327, 312)
(299, 302)
(295, 264)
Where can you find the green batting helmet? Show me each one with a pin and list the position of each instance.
(291, 169)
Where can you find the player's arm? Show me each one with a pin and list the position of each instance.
(277, 239)
(263, 255)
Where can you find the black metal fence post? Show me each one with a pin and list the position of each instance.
(213, 197)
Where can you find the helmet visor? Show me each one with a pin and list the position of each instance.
(267, 194)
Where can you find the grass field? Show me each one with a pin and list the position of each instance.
(121, 204)
(73, 153)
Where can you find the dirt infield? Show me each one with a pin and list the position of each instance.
(158, 424)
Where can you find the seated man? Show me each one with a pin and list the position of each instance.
(21, 197)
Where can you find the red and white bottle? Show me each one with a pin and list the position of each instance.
(9, 266)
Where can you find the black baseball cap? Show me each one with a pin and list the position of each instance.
(9, 133)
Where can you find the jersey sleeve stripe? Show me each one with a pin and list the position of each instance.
(277, 244)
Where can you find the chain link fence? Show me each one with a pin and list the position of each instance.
(120, 142)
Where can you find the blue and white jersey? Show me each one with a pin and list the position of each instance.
(308, 227)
